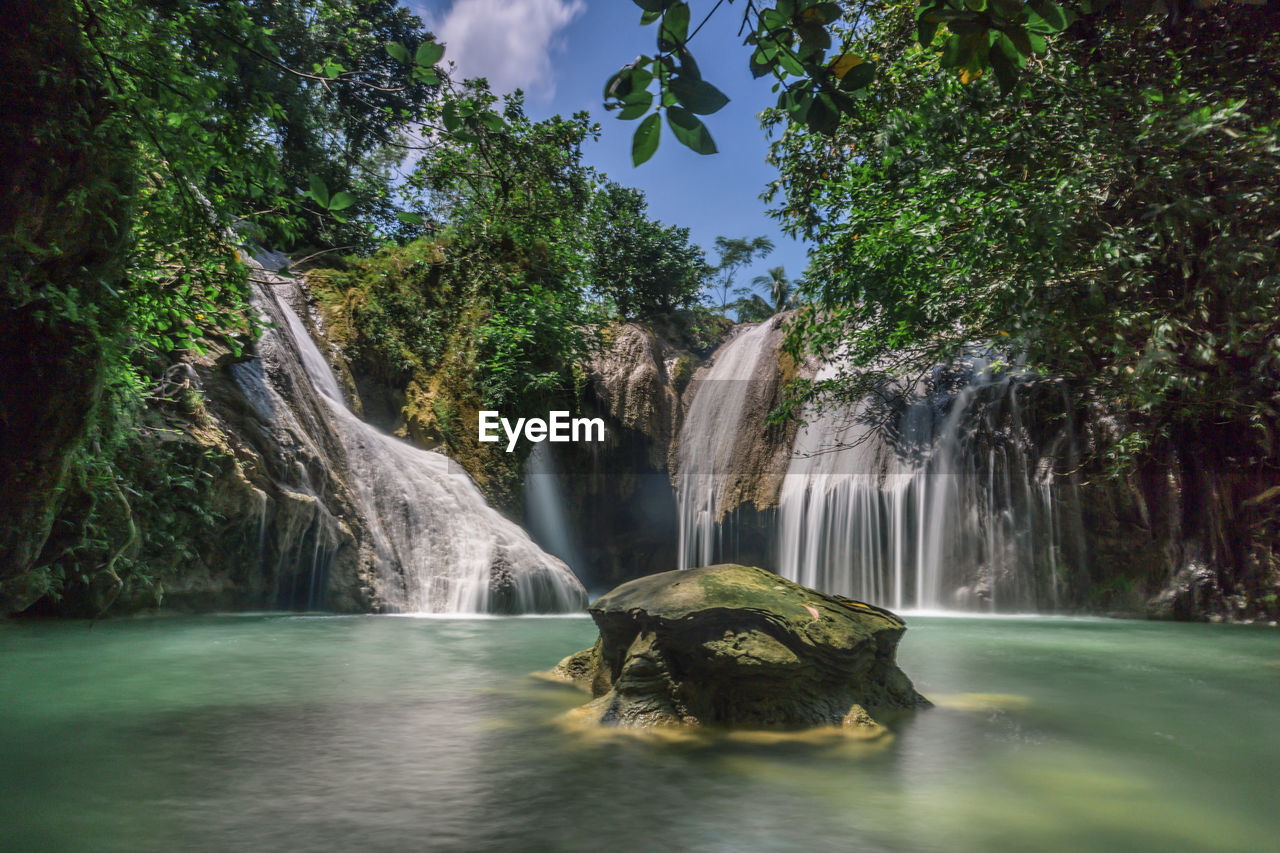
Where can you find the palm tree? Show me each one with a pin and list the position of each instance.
(776, 284)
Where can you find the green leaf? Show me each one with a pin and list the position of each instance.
(398, 51)
(1053, 15)
(772, 19)
(449, 115)
(828, 12)
(1006, 72)
(429, 53)
(341, 201)
(1020, 40)
(645, 140)
(790, 63)
(688, 67)
(951, 52)
(628, 83)
(698, 96)
(410, 218)
(859, 77)
(635, 110)
(760, 65)
(649, 5)
(690, 130)
(1010, 50)
(319, 192)
(675, 26)
(814, 36)
(823, 115)
(647, 18)
(925, 31)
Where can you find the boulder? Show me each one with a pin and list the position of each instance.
(737, 646)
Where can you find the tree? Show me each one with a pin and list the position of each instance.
(140, 136)
(641, 265)
(750, 308)
(736, 253)
(776, 284)
(509, 198)
(811, 50)
(1120, 237)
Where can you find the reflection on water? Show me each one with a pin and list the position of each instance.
(374, 733)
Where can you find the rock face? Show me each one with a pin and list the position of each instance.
(732, 645)
(632, 379)
(620, 490)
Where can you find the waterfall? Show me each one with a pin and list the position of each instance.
(435, 545)
(941, 503)
(545, 506)
(713, 442)
(941, 500)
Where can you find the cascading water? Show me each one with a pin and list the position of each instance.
(437, 546)
(943, 504)
(712, 440)
(546, 506)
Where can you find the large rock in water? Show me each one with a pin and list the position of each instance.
(738, 646)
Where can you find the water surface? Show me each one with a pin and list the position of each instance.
(382, 733)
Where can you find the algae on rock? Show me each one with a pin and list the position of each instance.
(732, 645)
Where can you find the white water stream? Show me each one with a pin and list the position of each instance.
(944, 504)
(436, 544)
(710, 440)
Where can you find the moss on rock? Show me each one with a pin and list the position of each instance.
(739, 646)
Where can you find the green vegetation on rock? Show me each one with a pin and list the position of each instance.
(739, 646)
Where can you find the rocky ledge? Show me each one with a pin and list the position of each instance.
(737, 646)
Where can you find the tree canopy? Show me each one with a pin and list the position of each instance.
(641, 265)
(820, 65)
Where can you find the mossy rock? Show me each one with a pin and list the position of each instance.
(742, 647)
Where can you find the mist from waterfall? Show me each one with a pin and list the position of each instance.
(436, 544)
(546, 507)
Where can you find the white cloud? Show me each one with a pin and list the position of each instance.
(508, 41)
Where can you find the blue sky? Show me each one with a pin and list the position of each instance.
(561, 52)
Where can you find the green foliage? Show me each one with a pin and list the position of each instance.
(1122, 235)
(777, 287)
(750, 308)
(155, 135)
(735, 254)
(642, 266)
(527, 346)
(141, 505)
(390, 312)
(492, 167)
(822, 64)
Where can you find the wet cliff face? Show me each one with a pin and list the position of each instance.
(729, 464)
(1180, 537)
(428, 540)
(623, 497)
(294, 506)
(619, 499)
(291, 501)
(978, 489)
